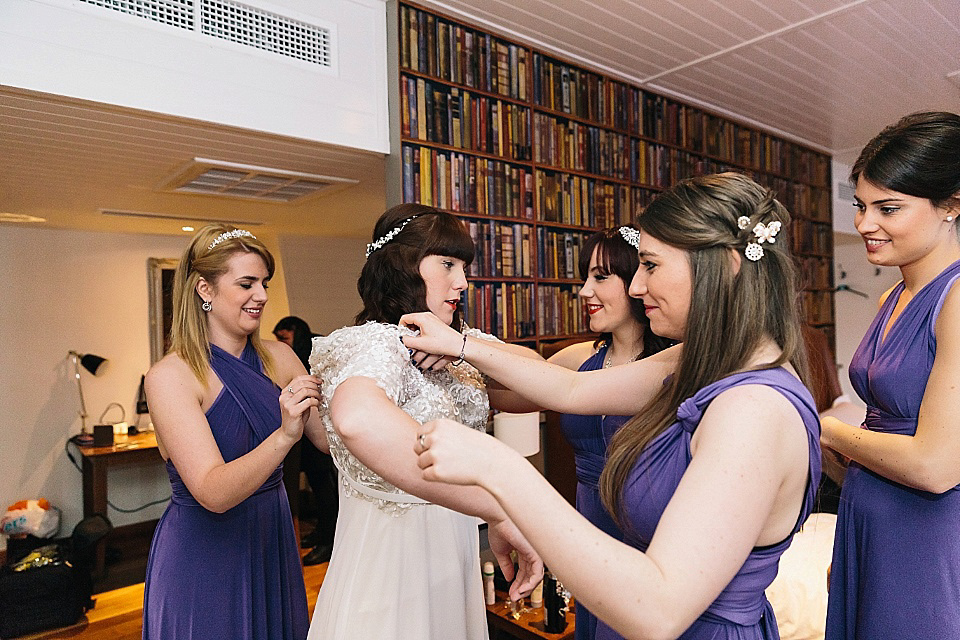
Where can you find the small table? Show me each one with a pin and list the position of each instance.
(135, 450)
(528, 627)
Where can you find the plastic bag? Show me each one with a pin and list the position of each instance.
(36, 517)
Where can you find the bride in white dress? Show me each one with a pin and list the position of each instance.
(405, 558)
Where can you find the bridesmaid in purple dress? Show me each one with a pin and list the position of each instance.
(224, 562)
(897, 527)
(718, 468)
(607, 264)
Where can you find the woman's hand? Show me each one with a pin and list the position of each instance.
(429, 361)
(296, 400)
(435, 337)
(504, 537)
(450, 452)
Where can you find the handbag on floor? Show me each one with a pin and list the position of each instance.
(49, 586)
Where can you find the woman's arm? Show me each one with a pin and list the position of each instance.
(381, 436)
(927, 460)
(175, 397)
(622, 390)
(291, 373)
(504, 399)
(726, 504)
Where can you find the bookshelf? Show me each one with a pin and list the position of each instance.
(535, 153)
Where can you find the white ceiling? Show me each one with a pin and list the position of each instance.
(828, 73)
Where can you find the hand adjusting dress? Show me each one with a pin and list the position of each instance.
(589, 436)
(896, 555)
(741, 611)
(401, 567)
(235, 574)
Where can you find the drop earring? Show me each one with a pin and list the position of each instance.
(207, 306)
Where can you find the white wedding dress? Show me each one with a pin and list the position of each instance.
(401, 568)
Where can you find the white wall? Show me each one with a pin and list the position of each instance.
(322, 279)
(83, 51)
(87, 292)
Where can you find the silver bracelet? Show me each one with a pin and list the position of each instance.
(463, 348)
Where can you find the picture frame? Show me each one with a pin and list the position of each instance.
(160, 273)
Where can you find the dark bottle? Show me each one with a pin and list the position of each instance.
(554, 605)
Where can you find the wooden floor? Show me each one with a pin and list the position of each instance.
(118, 613)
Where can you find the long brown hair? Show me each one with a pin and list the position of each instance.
(731, 311)
(189, 334)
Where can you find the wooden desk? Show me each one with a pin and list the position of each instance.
(528, 627)
(135, 450)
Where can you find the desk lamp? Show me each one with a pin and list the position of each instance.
(91, 363)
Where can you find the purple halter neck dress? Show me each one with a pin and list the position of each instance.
(741, 611)
(896, 555)
(589, 436)
(234, 574)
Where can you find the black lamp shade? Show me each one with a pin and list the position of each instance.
(91, 362)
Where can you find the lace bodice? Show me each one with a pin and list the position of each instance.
(374, 350)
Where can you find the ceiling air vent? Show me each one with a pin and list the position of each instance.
(216, 178)
(236, 22)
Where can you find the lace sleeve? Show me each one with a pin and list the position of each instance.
(372, 350)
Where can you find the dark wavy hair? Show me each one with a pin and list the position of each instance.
(302, 336)
(615, 256)
(919, 155)
(731, 309)
(390, 284)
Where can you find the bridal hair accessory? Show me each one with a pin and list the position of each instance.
(390, 235)
(762, 233)
(226, 235)
(631, 235)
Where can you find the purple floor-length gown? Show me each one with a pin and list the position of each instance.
(589, 437)
(235, 574)
(741, 611)
(896, 554)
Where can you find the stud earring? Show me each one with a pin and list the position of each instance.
(949, 218)
(207, 306)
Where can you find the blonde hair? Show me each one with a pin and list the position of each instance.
(189, 335)
(730, 311)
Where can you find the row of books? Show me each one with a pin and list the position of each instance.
(560, 253)
(560, 311)
(464, 183)
(757, 150)
(660, 166)
(502, 249)
(817, 306)
(561, 87)
(454, 53)
(567, 144)
(447, 115)
(814, 272)
(505, 309)
(801, 200)
(812, 238)
(573, 199)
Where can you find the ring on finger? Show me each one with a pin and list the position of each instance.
(420, 440)
(290, 389)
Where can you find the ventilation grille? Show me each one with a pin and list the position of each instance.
(235, 22)
(175, 13)
(845, 191)
(255, 28)
(217, 178)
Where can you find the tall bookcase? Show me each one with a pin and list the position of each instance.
(535, 153)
